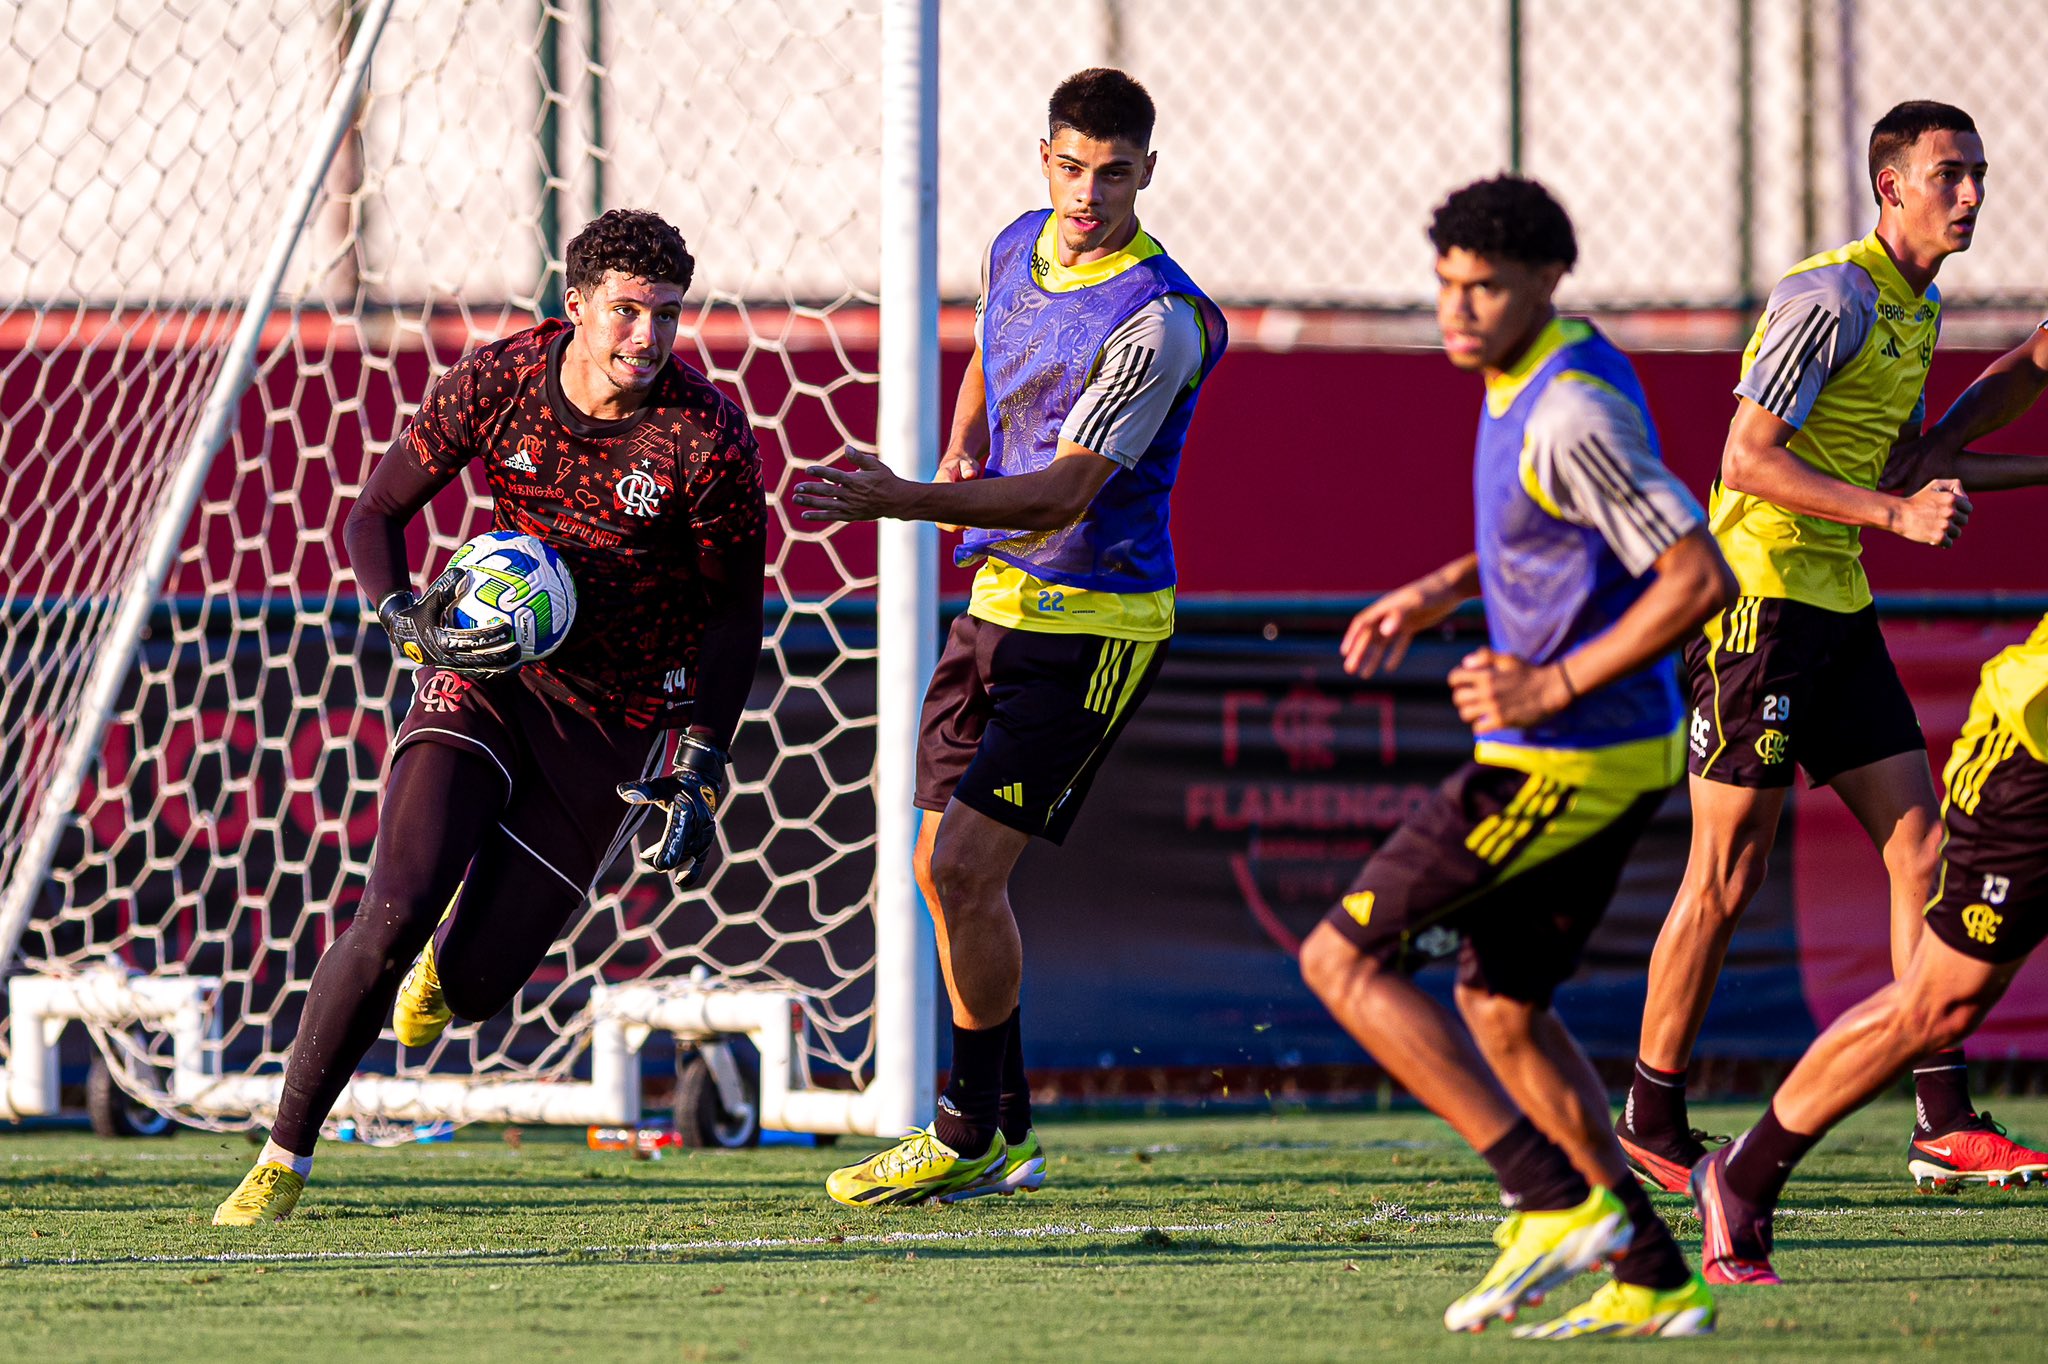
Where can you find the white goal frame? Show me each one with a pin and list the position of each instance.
(899, 1092)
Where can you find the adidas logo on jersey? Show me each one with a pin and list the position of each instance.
(1013, 793)
(1891, 347)
(521, 459)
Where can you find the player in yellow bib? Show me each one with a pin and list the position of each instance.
(1797, 672)
(1987, 913)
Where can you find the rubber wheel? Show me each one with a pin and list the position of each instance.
(113, 1113)
(701, 1118)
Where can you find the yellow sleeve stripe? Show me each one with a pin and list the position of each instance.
(1532, 485)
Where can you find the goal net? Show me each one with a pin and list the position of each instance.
(197, 707)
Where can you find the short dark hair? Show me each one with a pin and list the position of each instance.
(632, 242)
(1894, 134)
(1103, 103)
(1508, 217)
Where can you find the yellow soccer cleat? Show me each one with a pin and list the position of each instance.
(267, 1193)
(1623, 1309)
(1022, 1171)
(420, 1015)
(1540, 1251)
(915, 1169)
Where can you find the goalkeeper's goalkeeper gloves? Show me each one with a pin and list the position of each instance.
(689, 796)
(413, 620)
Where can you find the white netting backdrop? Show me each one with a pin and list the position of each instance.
(146, 150)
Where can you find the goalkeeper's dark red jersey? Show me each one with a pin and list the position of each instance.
(656, 515)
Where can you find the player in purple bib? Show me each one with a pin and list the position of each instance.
(1091, 347)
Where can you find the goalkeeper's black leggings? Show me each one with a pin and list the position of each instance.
(441, 807)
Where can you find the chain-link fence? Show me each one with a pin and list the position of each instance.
(1701, 147)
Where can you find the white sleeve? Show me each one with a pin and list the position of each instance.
(1145, 366)
(1587, 449)
(981, 299)
(1814, 325)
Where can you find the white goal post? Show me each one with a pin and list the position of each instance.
(195, 704)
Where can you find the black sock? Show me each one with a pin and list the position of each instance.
(968, 1109)
(1534, 1174)
(1941, 1092)
(1656, 1104)
(1762, 1158)
(1653, 1259)
(1013, 1110)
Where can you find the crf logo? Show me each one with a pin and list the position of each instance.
(639, 493)
(1770, 746)
(443, 692)
(1981, 922)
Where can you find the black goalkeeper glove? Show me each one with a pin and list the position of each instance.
(414, 623)
(689, 796)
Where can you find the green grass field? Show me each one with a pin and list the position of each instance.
(1270, 1238)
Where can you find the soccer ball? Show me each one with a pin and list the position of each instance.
(517, 579)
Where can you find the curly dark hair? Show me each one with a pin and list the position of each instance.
(1904, 124)
(1507, 218)
(1103, 103)
(632, 242)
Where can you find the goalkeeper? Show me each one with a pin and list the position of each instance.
(1090, 350)
(503, 802)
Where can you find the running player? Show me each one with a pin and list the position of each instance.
(1091, 346)
(505, 786)
(1594, 563)
(1796, 672)
(1989, 909)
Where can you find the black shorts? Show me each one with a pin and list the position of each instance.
(561, 767)
(1509, 870)
(1016, 722)
(1991, 900)
(1776, 682)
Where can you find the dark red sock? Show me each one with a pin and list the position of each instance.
(1941, 1093)
(1762, 1159)
(1534, 1174)
(1656, 1104)
(1653, 1259)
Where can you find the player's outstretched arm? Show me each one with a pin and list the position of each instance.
(870, 491)
(1379, 635)
(1693, 581)
(2000, 396)
(1757, 460)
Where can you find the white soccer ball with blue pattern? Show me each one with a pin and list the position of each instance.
(517, 579)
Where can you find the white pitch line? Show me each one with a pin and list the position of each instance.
(1049, 1233)
(1381, 1214)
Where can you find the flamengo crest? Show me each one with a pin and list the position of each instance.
(640, 493)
